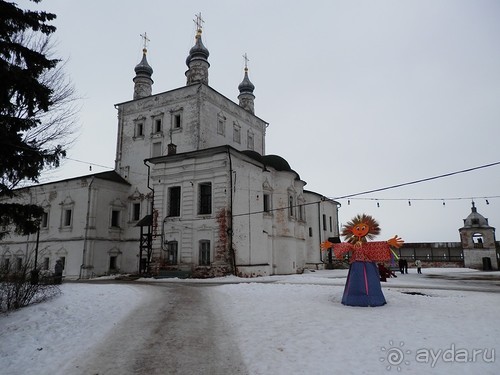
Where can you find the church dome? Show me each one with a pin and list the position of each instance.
(475, 219)
(198, 51)
(143, 67)
(246, 86)
(277, 162)
(254, 155)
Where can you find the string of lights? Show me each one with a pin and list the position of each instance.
(417, 181)
(355, 196)
(443, 200)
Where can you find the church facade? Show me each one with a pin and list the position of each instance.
(193, 191)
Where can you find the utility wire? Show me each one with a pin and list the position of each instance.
(418, 181)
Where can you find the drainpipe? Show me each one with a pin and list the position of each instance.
(119, 145)
(150, 231)
(230, 229)
(319, 231)
(87, 221)
(149, 187)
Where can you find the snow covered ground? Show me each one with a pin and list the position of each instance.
(289, 324)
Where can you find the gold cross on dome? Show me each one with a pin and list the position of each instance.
(199, 22)
(245, 57)
(145, 39)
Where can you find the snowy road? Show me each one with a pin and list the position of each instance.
(179, 331)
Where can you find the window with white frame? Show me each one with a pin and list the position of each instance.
(156, 149)
(236, 132)
(250, 144)
(205, 198)
(157, 125)
(115, 218)
(67, 206)
(204, 256)
(300, 211)
(44, 223)
(172, 251)
(139, 129)
(221, 124)
(174, 201)
(176, 118)
(136, 211)
(113, 261)
(67, 217)
(267, 202)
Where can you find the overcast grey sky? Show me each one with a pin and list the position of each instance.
(359, 95)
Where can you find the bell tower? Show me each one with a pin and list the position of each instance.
(478, 242)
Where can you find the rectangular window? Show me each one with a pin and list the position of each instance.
(176, 121)
(221, 127)
(156, 149)
(46, 264)
(115, 218)
(45, 220)
(6, 264)
(250, 141)
(19, 264)
(310, 232)
(205, 207)
(204, 253)
(324, 222)
(139, 129)
(67, 217)
(172, 250)
(113, 262)
(237, 133)
(136, 211)
(301, 212)
(158, 125)
(174, 201)
(63, 261)
(331, 224)
(267, 203)
(290, 205)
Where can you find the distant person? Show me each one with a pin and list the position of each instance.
(383, 271)
(405, 265)
(58, 272)
(401, 264)
(418, 264)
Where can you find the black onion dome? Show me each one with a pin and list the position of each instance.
(198, 51)
(246, 86)
(254, 155)
(277, 162)
(143, 67)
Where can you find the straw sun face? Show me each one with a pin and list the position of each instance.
(360, 227)
(360, 230)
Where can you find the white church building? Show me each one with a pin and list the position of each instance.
(193, 192)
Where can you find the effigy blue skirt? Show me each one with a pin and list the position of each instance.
(363, 287)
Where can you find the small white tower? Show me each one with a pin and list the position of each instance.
(478, 242)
